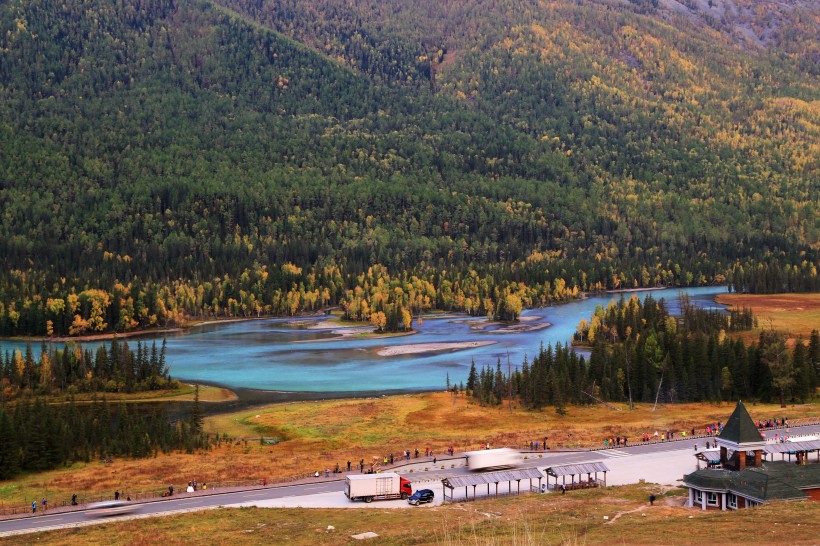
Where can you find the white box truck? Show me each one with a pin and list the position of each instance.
(370, 487)
(493, 459)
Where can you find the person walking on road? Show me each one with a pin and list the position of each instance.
(45, 504)
(34, 507)
(117, 495)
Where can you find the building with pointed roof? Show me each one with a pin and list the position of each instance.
(744, 479)
(739, 437)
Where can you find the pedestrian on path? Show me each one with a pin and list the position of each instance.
(45, 504)
(117, 495)
(651, 500)
(34, 507)
(74, 499)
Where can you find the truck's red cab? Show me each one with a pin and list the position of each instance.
(404, 487)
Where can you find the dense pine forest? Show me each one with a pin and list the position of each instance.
(639, 352)
(36, 436)
(37, 432)
(162, 159)
(71, 370)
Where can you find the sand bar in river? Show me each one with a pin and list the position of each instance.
(418, 348)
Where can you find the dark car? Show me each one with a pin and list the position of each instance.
(421, 496)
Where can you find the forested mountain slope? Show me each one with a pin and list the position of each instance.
(166, 158)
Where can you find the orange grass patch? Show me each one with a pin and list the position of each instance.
(794, 315)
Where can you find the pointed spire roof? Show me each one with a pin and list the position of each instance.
(740, 429)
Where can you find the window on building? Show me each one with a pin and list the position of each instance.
(731, 500)
(698, 496)
(711, 499)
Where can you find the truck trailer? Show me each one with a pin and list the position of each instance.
(493, 459)
(370, 487)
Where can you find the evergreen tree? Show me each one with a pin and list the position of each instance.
(472, 378)
(197, 418)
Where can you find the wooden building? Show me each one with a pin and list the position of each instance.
(744, 479)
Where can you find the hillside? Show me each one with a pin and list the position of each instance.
(167, 158)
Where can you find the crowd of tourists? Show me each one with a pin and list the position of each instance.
(666, 436)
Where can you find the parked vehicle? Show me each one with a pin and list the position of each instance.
(493, 459)
(110, 508)
(370, 487)
(421, 496)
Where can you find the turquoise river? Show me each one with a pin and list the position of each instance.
(309, 355)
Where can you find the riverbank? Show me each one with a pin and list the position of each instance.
(153, 332)
(145, 332)
(628, 290)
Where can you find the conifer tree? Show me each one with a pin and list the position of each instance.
(471, 379)
(196, 414)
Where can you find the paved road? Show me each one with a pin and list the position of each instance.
(161, 507)
(170, 505)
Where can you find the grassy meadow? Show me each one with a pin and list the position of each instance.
(316, 435)
(794, 315)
